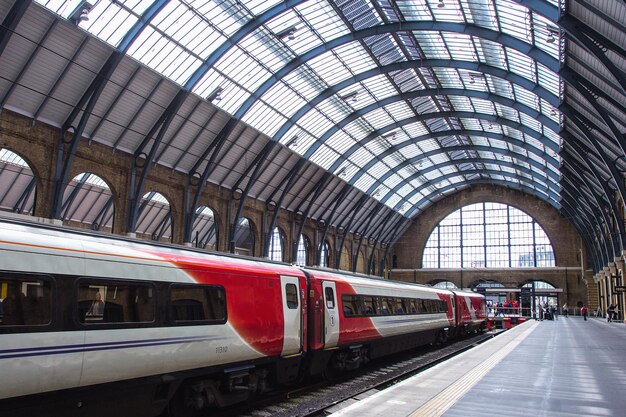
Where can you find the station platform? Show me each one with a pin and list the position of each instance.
(565, 367)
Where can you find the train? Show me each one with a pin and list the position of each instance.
(93, 324)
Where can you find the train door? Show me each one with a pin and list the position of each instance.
(331, 315)
(292, 313)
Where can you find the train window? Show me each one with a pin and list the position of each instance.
(387, 306)
(195, 303)
(24, 300)
(330, 297)
(443, 306)
(114, 302)
(350, 305)
(414, 307)
(369, 306)
(292, 296)
(400, 308)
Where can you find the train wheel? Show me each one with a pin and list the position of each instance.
(185, 403)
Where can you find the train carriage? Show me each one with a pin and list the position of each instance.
(92, 324)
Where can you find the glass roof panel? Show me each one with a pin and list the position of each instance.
(186, 32)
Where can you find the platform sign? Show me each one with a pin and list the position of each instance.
(525, 293)
(619, 288)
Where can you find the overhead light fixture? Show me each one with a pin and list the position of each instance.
(550, 38)
(553, 33)
(441, 4)
(289, 33)
(353, 97)
(293, 142)
(216, 95)
(341, 172)
(81, 13)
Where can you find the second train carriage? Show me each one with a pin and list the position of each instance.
(91, 321)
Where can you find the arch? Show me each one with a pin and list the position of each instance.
(276, 250)
(154, 219)
(488, 235)
(244, 237)
(205, 229)
(18, 183)
(303, 251)
(325, 254)
(444, 284)
(88, 202)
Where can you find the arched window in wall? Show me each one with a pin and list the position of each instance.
(204, 232)
(324, 255)
(276, 245)
(17, 184)
(244, 237)
(155, 217)
(302, 257)
(87, 202)
(445, 284)
(488, 235)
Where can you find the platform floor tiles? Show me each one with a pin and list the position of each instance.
(567, 367)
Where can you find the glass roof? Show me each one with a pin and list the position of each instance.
(390, 96)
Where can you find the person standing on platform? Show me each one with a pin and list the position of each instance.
(583, 312)
(564, 312)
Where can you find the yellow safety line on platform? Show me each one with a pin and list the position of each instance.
(439, 404)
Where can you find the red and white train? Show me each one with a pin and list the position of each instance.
(98, 325)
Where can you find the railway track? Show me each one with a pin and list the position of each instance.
(320, 398)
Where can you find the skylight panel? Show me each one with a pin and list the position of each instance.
(109, 22)
(448, 77)
(255, 6)
(298, 140)
(412, 10)
(378, 118)
(450, 13)
(361, 157)
(365, 182)
(266, 49)
(437, 159)
(355, 57)
(479, 140)
(264, 118)
(471, 124)
(315, 122)
(249, 74)
(378, 170)
(432, 44)
(324, 156)
(394, 200)
(481, 13)
(232, 96)
(378, 86)
(335, 109)
(340, 142)
(322, 17)
(460, 46)
(514, 20)
(415, 129)
(329, 68)
(521, 64)
(283, 99)
(393, 180)
(461, 103)
(530, 122)
(547, 35)
(526, 97)
(548, 79)
(305, 82)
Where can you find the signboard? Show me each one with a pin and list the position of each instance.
(619, 288)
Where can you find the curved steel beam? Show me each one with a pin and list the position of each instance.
(552, 195)
(581, 33)
(525, 83)
(547, 175)
(464, 28)
(579, 183)
(509, 184)
(521, 108)
(480, 148)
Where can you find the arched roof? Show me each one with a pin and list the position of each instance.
(401, 102)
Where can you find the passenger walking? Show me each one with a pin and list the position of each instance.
(583, 312)
(565, 312)
(554, 312)
(611, 312)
